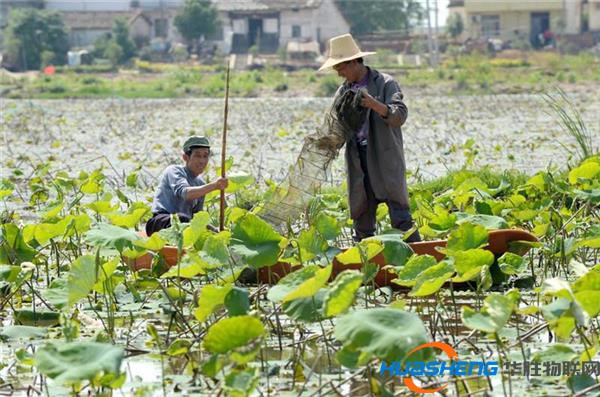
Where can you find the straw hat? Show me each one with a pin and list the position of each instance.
(341, 49)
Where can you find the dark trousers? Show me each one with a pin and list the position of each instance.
(364, 226)
(162, 221)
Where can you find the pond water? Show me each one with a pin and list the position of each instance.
(265, 135)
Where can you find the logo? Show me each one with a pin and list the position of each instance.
(434, 368)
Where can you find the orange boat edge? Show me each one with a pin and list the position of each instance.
(499, 242)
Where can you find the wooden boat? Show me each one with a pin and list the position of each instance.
(499, 242)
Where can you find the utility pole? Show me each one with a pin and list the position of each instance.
(436, 49)
(429, 36)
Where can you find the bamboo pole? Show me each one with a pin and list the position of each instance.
(223, 150)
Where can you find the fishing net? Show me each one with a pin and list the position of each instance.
(304, 179)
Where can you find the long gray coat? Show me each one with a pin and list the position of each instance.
(385, 151)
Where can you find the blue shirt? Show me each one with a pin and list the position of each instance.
(170, 195)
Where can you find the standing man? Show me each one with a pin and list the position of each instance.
(181, 190)
(375, 153)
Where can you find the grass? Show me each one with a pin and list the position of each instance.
(516, 72)
(572, 122)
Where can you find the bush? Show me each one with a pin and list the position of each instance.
(114, 52)
(508, 63)
(48, 58)
(281, 87)
(146, 54)
(180, 54)
(328, 86)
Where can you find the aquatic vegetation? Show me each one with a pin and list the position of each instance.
(78, 318)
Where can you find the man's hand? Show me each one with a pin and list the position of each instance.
(371, 103)
(220, 184)
(195, 192)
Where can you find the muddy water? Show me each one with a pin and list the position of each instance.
(265, 134)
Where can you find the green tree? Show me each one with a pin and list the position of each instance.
(197, 19)
(31, 33)
(116, 45)
(120, 32)
(367, 16)
(454, 25)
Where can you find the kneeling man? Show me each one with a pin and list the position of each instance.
(181, 190)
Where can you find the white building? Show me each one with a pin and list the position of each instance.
(265, 24)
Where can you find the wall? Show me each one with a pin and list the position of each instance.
(141, 28)
(302, 18)
(85, 37)
(319, 24)
(331, 21)
(474, 6)
(88, 5)
(594, 15)
(511, 21)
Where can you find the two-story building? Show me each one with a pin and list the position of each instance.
(512, 19)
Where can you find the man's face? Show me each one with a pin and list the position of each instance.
(197, 160)
(348, 70)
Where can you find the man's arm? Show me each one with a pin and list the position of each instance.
(394, 110)
(183, 190)
(195, 192)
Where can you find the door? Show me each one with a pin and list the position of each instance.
(254, 31)
(540, 23)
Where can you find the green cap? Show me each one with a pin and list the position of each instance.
(195, 141)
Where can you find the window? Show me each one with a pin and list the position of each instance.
(296, 31)
(161, 26)
(490, 25)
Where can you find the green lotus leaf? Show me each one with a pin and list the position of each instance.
(302, 283)
(78, 361)
(416, 264)
(328, 226)
(370, 248)
(311, 244)
(196, 228)
(490, 222)
(306, 310)
(13, 249)
(211, 297)
(153, 243)
(241, 383)
(342, 292)
(179, 347)
(82, 278)
(237, 301)
(467, 236)
(256, 241)
(388, 334)
(431, 280)
(16, 332)
(232, 333)
(556, 352)
(396, 251)
(470, 262)
(511, 263)
(587, 291)
(493, 316)
(441, 219)
(38, 318)
(586, 171)
(109, 236)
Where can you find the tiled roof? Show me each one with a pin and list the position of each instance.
(265, 5)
